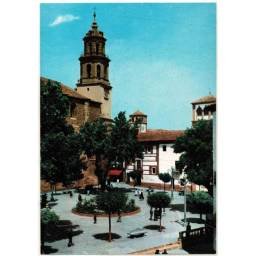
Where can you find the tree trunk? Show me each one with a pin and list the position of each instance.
(160, 227)
(172, 181)
(109, 226)
(201, 215)
(124, 172)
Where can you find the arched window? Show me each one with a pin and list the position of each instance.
(98, 71)
(199, 111)
(97, 48)
(106, 72)
(89, 70)
(206, 111)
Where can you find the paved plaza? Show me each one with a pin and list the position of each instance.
(85, 243)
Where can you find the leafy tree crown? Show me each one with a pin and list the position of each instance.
(111, 201)
(159, 200)
(165, 177)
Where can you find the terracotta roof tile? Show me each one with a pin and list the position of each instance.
(138, 113)
(71, 93)
(206, 99)
(67, 90)
(159, 135)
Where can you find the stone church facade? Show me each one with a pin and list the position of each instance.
(91, 99)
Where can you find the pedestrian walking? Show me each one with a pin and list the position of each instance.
(70, 237)
(157, 252)
(119, 216)
(94, 218)
(188, 229)
(70, 194)
(164, 252)
(155, 215)
(79, 198)
(151, 213)
(141, 195)
(52, 198)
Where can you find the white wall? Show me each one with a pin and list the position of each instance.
(167, 158)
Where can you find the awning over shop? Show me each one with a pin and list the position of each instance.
(114, 172)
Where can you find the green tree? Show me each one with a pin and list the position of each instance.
(116, 143)
(165, 178)
(48, 218)
(111, 202)
(200, 202)
(159, 200)
(124, 144)
(60, 158)
(53, 109)
(196, 158)
(95, 141)
(60, 146)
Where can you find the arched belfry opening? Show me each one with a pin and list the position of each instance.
(94, 63)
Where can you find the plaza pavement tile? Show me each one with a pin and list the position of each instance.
(86, 244)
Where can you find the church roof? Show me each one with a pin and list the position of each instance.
(138, 113)
(66, 90)
(71, 93)
(206, 99)
(159, 135)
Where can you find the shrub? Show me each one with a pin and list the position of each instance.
(48, 216)
(130, 206)
(88, 206)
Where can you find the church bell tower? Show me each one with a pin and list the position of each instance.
(94, 64)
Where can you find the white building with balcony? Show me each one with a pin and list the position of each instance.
(158, 155)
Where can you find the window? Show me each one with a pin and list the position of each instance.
(149, 149)
(164, 147)
(98, 71)
(97, 48)
(206, 111)
(152, 169)
(199, 111)
(89, 70)
(106, 72)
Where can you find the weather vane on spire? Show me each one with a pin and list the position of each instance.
(94, 14)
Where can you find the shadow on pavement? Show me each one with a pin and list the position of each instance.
(48, 250)
(104, 236)
(177, 207)
(61, 231)
(153, 227)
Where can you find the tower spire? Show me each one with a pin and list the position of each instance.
(94, 14)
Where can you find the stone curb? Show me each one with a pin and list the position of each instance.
(149, 251)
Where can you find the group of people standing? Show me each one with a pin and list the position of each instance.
(139, 193)
(158, 251)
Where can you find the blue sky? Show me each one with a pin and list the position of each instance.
(163, 56)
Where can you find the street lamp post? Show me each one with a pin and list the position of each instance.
(185, 204)
(185, 181)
